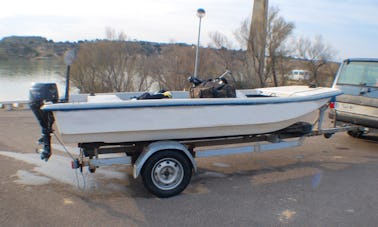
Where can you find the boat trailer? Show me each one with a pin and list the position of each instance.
(166, 167)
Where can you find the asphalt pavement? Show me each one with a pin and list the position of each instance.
(324, 182)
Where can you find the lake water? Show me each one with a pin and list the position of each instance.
(16, 77)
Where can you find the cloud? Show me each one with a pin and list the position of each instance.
(155, 20)
(350, 26)
(341, 22)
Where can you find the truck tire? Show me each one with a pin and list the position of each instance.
(167, 173)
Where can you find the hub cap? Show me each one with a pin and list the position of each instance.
(167, 174)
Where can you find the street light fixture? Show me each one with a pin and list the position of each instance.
(200, 13)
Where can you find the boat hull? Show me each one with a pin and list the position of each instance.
(177, 134)
(151, 123)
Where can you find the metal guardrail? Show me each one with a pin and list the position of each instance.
(14, 105)
(24, 104)
(77, 98)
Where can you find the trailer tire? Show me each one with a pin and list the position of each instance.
(167, 173)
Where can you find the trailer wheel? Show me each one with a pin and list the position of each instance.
(167, 173)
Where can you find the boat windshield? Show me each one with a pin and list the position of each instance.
(359, 73)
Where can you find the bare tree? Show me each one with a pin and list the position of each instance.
(112, 34)
(315, 53)
(327, 73)
(224, 49)
(211, 64)
(277, 32)
(228, 58)
(110, 65)
(252, 67)
(144, 81)
(173, 66)
(241, 35)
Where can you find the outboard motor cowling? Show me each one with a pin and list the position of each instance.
(44, 92)
(41, 93)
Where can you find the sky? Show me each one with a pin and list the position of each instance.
(349, 26)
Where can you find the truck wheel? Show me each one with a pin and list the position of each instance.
(167, 173)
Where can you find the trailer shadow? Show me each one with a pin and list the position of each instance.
(137, 189)
(369, 138)
(275, 174)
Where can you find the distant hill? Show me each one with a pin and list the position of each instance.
(37, 47)
(32, 47)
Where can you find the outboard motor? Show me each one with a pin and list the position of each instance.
(41, 93)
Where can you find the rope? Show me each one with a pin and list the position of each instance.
(78, 183)
(64, 147)
(72, 157)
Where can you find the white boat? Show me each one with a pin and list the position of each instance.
(160, 138)
(108, 118)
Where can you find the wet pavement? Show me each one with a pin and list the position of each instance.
(322, 183)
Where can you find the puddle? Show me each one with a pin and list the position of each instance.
(334, 166)
(350, 211)
(221, 164)
(28, 178)
(279, 176)
(316, 180)
(196, 189)
(58, 168)
(59, 147)
(213, 174)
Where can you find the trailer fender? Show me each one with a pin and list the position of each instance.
(154, 147)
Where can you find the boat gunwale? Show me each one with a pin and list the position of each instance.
(128, 104)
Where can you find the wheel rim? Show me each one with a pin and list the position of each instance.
(167, 174)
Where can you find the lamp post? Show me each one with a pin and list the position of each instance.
(69, 58)
(200, 13)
